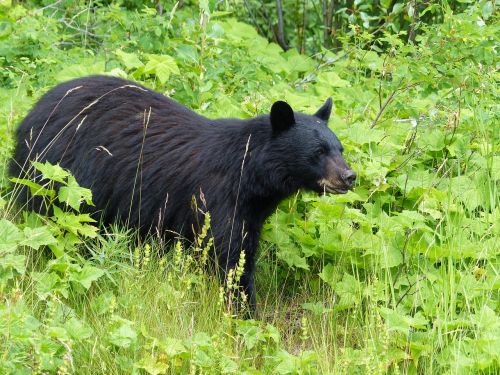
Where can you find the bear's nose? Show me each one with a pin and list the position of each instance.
(349, 176)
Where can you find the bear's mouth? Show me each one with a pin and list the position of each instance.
(327, 187)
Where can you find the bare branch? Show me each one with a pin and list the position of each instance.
(388, 101)
(280, 35)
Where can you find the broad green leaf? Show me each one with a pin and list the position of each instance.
(293, 258)
(187, 52)
(36, 237)
(273, 333)
(103, 303)
(52, 172)
(35, 189)
(123, 335)
(329, 275)
(414, 180)
(130, 60)
(433, 140)
(350, 291)
(391, 256)
(162, 66)
(10, 236)
(488, 9)
(87, 275)
(297, 62)
(332, 79)
(84, 67)
(397, 8)
(239, 30)
(173, 346)
(228, 366)
(316, 308)
(361, 134)
(73, 195)
(13, 261)
(49, 282)
(397, 321)
(251, 332)
(78, 329)
(153, 364)
(59, 333)
(75, 223)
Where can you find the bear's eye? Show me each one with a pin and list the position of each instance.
(322, 151)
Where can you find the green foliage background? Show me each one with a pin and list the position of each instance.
(399, 276)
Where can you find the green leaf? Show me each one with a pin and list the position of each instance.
(391, 256)
(161, 66)
(123, 335)
(73, 194)
(238, 30)
(77, 329)
(329, 275)
(173, 347)
(36, 237)
(332, 79)
(13, 261)
(59, 333)
(103, 303)
(487, 9)
(49, 282)
(228, 366)
(75, 223)
(433, 140)
(414, 180)
(361, 134)
(397, 321)
(35, 189)
(350, 291)
(10, 236)
(52, 172)
(251, 332)
(297, 62)
(398, 8)
(292, 257)
(273, 333)
(152, 364)
(84, 67)
(187, 53)
(317, 308)
(130, 60)
(87, 275)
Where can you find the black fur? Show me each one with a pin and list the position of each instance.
(145, 157)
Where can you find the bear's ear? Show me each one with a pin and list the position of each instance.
(282, 117)
(326, 109)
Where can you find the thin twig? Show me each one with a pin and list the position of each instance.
(407, 291)
(48, 6)
(390, 99)
(280, 35)
(85, 32)
(403, 253)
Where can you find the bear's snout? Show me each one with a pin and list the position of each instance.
(348, 177)
(339, 177)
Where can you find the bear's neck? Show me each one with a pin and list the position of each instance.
(265, 185)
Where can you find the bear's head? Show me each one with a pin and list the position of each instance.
(313, 152)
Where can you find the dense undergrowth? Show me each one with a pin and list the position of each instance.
(399, 276)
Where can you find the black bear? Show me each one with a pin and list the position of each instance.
(145, 157)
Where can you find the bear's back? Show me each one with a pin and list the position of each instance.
(111, 134)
